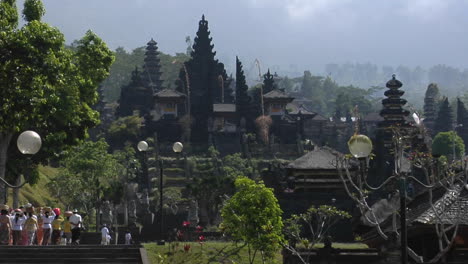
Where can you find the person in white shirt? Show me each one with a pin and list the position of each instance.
(75, 221)
(105, 236)
(128, 238)
(17, 221)
(47, 219)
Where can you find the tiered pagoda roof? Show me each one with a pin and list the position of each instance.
(393, 112)
(152, 68)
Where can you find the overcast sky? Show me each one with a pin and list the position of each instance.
(306, 34)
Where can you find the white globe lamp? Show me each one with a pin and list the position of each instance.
(29, 142)
(177, 147)
(360, 146)
(142, 146)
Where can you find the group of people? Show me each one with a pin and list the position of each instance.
(43, 226)
(106, 236)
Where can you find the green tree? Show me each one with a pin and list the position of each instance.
(210, 186)
(444, 120)
(348, 97)
(462, 114)
(88, 173)
(45, 86)
(235, 166)
(447, 144)
(431, 100)
(242, 97)
(256, 105)
(311, 227)
(124, 130)
(253, 216)
(125, 63)
(462, 121)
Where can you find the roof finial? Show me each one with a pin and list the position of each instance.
(393, 76)
(203, 17)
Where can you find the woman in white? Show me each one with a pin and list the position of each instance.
(47, 219)
(105, 236)
(17, 221)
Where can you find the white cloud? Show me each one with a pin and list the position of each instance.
(301, 9)
(425, 10)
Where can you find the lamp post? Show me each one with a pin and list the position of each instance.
(177, 147)
(29, 143)
(143, 147)
(360, 147)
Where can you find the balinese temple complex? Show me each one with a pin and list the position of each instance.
(204, 98)
(209, 107)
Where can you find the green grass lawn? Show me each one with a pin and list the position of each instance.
(211, 252)
(38, 194)
(344, 245)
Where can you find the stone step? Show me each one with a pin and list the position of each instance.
(72, 260)
(91, 253)
(71, 254)
(174, 172)
(175, 182)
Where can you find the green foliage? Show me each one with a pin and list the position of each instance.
(33, 10)
(88, 173)
(213, 252)
(242, 96)
(124, 129)
(125, 62)
(253, 216)
(210, 185)
(328, 98)
(44, 86)
(235, 166)
(93, 59)
(47, 87)
(172, 196)
(8, 17)
(348, 97)
(315, 223)
(462, 114)
(443, 144)
(255, 109)
(444, 120)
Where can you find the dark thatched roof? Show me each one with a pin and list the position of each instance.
(168, 93)
(451, 207)
(277, 94)
(322, 158)
(224, 108)
(319, 117)
(295, 109)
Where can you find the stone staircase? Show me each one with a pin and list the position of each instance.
(174, 175)
(96, 254)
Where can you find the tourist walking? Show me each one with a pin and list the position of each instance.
(105, 235)
(5, 225)
(56, 228)
(67, 230)
(128, 238)
(40, 231)
(30, 227)
(76, 222)
(47, 219)
(17, 226)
